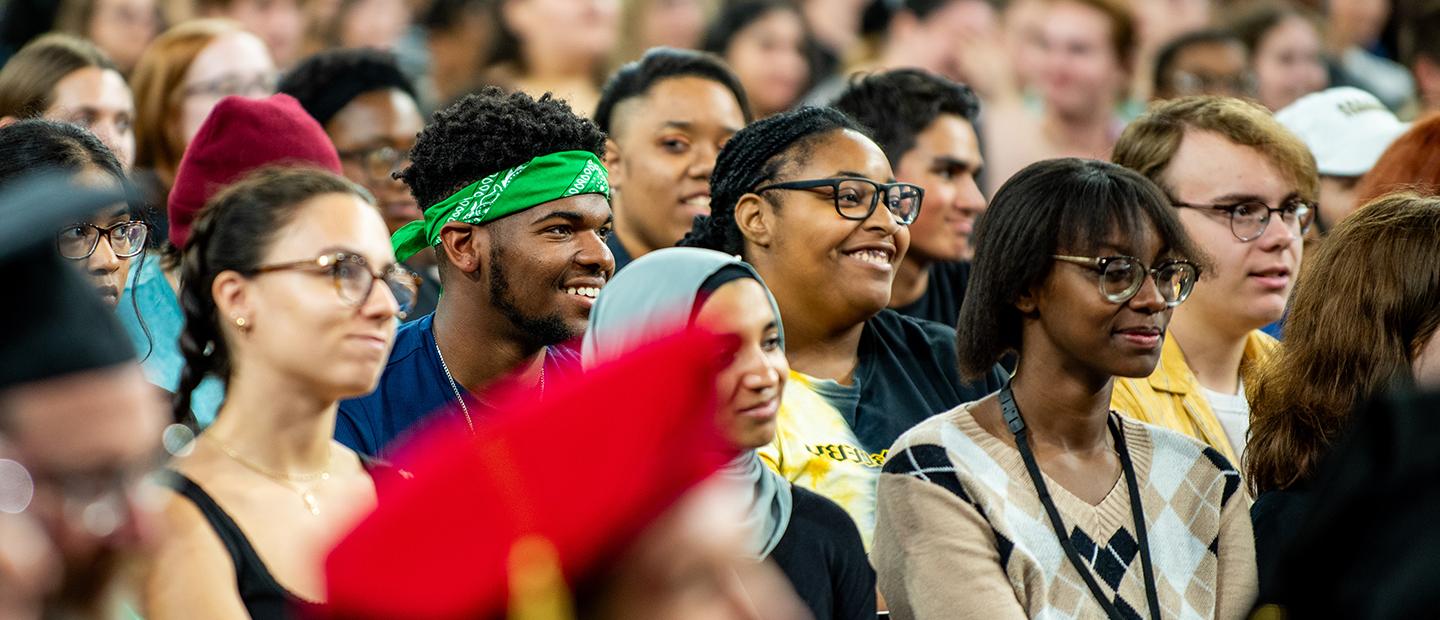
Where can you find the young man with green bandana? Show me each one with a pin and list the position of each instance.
(518, 213)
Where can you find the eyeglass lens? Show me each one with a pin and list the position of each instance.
(855, 198)
(1122, 278)
(355, 283)
(79, 241)
(1249, 219)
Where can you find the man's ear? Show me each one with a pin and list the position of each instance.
(465, 246)
(612, 163)
(755, 217)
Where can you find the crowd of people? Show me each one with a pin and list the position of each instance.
(737, 309)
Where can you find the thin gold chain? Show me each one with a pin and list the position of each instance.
(292, 482)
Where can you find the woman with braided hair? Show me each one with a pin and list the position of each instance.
(810, 200)
(290, 292)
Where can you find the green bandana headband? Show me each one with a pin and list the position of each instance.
(538, 181)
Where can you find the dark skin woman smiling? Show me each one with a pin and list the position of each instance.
(1078, 266)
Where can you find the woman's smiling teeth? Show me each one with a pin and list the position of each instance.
(877, 257)
(584, 291)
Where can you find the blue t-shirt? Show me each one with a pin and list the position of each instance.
(414, 388)
(160, 351)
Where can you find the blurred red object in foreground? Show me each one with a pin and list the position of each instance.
(585, 471)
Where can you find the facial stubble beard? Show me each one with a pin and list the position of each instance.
(541, 331)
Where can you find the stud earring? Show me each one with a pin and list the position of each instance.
(241, 323)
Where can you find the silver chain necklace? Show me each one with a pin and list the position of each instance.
(455, 387)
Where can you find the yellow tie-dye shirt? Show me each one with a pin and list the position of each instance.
(815, 448)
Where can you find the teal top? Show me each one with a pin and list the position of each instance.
(160, 353)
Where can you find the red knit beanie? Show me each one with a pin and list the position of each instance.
(239, 136)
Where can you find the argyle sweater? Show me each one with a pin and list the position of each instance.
(961, 532)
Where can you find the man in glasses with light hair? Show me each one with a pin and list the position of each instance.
(1245, 189)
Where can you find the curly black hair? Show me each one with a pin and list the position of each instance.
(754, 156)
(635, 79)
(326, 82)
(490, 131)
(898, 105)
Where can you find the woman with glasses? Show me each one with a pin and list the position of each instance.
(103, 245)
(1041, 500)
(181, 76)
(809, 200)
(291, 292)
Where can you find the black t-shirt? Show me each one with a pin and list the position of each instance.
(823, 557)
(909, 370)
(1275, 516)
(943, 295)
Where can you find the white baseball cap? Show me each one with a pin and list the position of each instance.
(1347, 129)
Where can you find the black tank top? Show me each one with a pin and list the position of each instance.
(264, 598)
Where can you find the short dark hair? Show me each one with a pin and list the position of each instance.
(1170, 52)
(487, 132)
(1058, 205)
(897, 105)
(32, 144)
(634, 79)
(923, 9)
(326, 82)
(755, 155)
(1417, 34)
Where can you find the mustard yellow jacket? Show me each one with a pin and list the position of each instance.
(1171, 396)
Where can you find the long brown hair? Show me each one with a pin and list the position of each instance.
(158, 78)
(1366, 303)
(1412, 162)
(27, 83)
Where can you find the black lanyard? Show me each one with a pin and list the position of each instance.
(1011, 411)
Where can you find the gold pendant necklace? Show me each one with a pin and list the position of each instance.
(289, 481)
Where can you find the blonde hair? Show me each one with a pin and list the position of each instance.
(1149, 143)
(157, 82)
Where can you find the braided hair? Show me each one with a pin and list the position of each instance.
(754, 156)
(233, 233)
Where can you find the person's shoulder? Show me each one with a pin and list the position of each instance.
(1177, 454)
(951, 271)
(930, 437)
(890, 325)
(822, 514)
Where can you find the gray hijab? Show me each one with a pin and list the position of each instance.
(656, 295)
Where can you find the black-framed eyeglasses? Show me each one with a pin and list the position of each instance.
(1122, 277)
(377, 163)
(1249, 218)
(855, 198)
(78, 241)
(353, 279)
